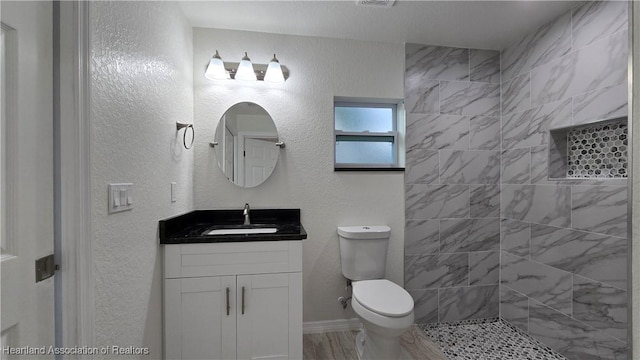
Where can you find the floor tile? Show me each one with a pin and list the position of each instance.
(340, 345)
(487, 340)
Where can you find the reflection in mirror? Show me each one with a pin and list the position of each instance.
(246, 150)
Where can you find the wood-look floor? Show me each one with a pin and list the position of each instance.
(341, 345)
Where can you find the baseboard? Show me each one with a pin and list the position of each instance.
(317, 327)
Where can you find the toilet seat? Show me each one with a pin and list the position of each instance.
(387, 324)
(383, 297)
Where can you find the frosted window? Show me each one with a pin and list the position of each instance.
(366, 136)
(373, 119)
(360, 150)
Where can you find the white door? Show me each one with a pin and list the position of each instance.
(200, 318)
(229, 159)
(26, 149)
(259, 161)
(268, 327)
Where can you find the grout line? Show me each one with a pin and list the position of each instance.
(500, 139)
(571, 291)
(455, 287)
(530, 91)
(469, 269)
(571, 27)
(529, 241)
(439, 166)
(469, 62)
(439, 235)
(531, 166)
(571, 207)
(438, 305)
(528, 314)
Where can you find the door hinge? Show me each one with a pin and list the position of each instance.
(45, 268)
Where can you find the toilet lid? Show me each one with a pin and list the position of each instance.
(383, 297)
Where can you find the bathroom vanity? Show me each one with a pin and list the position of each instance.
(235, 294)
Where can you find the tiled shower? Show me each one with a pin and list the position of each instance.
(452, 182)
(496, 225)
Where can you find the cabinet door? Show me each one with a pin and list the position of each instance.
(271, 325)
(197, 324)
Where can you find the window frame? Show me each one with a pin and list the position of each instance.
(394, 134)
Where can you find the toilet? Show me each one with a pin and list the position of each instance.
(385, 309)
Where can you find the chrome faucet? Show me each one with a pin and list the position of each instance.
(245, 212)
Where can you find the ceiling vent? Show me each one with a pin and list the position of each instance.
(377, 3)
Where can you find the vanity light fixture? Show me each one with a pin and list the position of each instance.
(246, 71)
(216, 70)
(274, 71)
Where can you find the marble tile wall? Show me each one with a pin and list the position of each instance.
(452, 233)
(563, 242)
(489, 230)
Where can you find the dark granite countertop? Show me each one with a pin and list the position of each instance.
(192, 226)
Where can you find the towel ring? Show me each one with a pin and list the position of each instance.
(184, 135)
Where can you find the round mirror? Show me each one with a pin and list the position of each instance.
(246, 149)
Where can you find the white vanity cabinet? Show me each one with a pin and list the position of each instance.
(239, 300)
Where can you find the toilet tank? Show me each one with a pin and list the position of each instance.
(363, 251)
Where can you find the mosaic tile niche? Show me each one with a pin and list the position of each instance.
(593, 151)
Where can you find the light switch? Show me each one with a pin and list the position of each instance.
(116, 197)
(120, 197)
(174, 198)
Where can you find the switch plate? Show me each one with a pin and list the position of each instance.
(173, 192)
(120, 197)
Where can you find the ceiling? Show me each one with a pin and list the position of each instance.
(474, 24)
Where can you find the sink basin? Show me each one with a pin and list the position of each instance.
(241, 229)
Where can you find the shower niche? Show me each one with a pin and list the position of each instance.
(591, 151)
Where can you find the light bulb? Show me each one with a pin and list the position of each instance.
(245, 70)
(216, 70)
(274, 71)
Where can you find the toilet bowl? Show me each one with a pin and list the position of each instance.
(386, 312)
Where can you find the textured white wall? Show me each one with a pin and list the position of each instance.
(302, 109)
(141, 83)
(634, 260)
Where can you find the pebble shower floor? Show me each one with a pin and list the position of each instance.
(487, 340)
